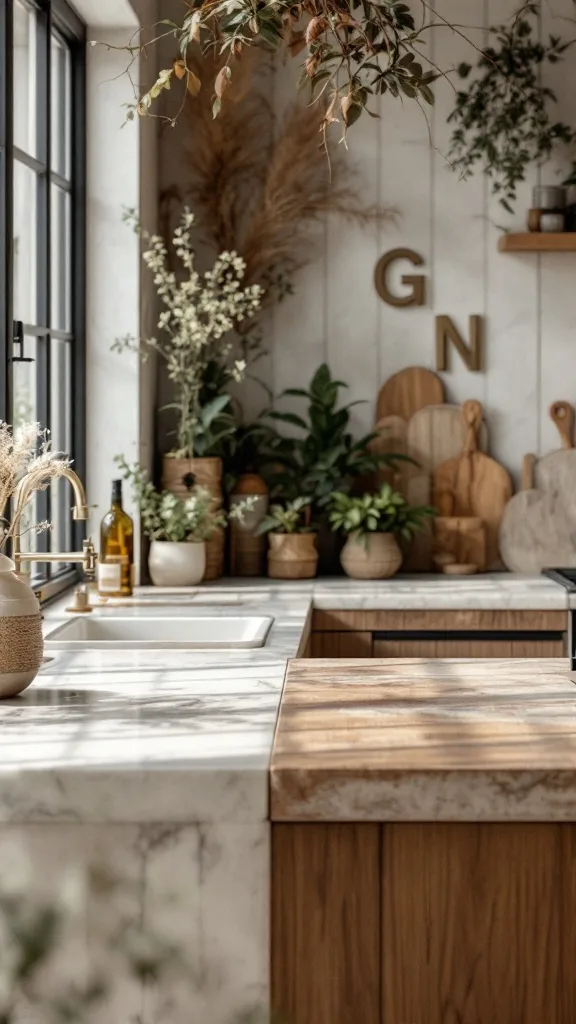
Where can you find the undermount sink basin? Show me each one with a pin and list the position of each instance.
(118, 632)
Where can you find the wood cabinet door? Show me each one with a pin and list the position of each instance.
(326, 924)
(472, 648)
(349, 644)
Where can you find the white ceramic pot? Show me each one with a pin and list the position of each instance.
(173, 564)
(21, 643)
(373, 557)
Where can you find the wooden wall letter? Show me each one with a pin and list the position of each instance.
(472, 355)
(417, 296)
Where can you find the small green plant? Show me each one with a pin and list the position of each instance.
(502, 118)
(289, 518)
(326, 458)
(387, 511)
(167, 517)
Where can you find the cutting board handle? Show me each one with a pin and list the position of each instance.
(472, 417)
(562, 414)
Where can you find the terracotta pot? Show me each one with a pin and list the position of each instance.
(21, 643)
(179, 476)
(173, 564)
(247, 552)
(374, 556)
(292, 556)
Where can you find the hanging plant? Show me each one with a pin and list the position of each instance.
(353, 52)
(503, 119)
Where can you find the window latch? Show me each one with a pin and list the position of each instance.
(18, 341)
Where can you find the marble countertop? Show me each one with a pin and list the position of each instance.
(145, 736)
(414, 740)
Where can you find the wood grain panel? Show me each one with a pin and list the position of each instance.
(326, 924)
(469, 648)
(350, 644)
(477, 924)
(370, 621)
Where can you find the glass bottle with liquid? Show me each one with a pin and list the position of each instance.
(116, 563)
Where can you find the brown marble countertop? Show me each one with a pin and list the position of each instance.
(415, 740)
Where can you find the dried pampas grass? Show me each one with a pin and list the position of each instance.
(261, 185)
(25, 452)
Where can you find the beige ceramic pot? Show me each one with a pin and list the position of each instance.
(292, 556)
(21, 643)
(173, 564)
(179, 476)
(375, 556)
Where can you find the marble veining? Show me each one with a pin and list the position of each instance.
(496, 590)
(413, 740)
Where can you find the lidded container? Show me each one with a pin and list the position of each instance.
(21, 642)
(549, 197)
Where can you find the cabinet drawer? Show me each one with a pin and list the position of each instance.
(512, 644)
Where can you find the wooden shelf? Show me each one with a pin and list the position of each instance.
(538, 241)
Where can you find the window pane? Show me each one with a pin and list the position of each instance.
(60, 258)
(25, 410)
(60, 107)
(24, 90)
(25, 244)
(61, 434)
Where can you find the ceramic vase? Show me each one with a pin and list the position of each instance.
(247, 551)
(374, 556)
(21, 643)
(179, 476)
(173, 564)
(292, 556)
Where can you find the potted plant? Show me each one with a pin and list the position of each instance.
(371, 524)
(196, 344)
(25, 453)
(325, 457)
(178, 528)
(292, 541)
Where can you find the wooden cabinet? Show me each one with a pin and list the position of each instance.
(439, 634)
(424, 923)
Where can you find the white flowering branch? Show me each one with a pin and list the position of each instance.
(200, 312)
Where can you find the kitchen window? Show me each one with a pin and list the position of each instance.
(42, 257)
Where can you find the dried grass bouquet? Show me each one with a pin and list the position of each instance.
(25, 451)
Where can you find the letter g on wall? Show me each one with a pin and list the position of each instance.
(417, 282)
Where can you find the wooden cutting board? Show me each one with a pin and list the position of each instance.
(538, 530)
(408, 391)
(437, 433)
(464, 537)
(480, 486)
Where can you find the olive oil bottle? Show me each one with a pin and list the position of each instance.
(116, 564)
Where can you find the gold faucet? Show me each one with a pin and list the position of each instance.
(88, 556)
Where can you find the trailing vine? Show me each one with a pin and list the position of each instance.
(503, 117)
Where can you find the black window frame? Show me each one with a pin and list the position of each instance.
(55, 17)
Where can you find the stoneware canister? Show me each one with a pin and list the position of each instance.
(177, 564)
(375, 556)
(21, 643)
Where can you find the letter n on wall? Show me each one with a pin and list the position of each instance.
(472, 354)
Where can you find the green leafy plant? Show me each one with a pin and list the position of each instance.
(502, 118)
(387, 511)
(166, 517)
(353, 52)
(291, 517)
(326, 458)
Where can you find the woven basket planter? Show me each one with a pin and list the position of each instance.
(179, 476)
(292, 556)
(21, 643)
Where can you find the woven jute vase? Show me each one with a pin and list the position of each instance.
(248, 551)
(292, 556)
(180, 476)
(21, 643)
(373, 557)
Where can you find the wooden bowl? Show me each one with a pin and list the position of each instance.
(460, 569)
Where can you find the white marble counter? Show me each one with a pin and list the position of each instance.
(489, 591)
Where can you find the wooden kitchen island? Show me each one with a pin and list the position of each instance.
(424, 845)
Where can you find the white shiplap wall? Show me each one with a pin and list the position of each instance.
(529, 301)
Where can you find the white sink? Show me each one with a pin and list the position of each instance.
(118, 632)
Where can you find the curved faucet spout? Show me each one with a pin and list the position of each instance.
(80, 511)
